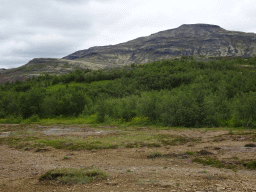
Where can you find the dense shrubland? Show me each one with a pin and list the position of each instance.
(180, 92)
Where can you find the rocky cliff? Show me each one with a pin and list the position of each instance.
(186, 40)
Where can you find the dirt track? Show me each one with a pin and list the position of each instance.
(129, 169)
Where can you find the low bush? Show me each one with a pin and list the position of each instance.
(73, 176)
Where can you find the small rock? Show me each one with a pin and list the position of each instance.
(165, 184)
(112, 183)
(250, 145)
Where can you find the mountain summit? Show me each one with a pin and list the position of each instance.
(186, 40)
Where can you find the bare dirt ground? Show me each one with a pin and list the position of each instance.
(129, 169)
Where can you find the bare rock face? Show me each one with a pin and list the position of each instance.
(186, 40)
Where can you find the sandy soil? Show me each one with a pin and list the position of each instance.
(129, 169)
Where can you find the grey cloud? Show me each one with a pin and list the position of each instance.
(55, 28)
(40, 30)
(80, 1)
(47, 28)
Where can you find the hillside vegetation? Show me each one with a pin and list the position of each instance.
(181, 92)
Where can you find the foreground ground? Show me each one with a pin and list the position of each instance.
(169, 167)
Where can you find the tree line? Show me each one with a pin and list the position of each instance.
(179, 92)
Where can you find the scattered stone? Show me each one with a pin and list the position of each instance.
(41, 149)
(184, 156)
(204, 152)
(140, 150)
(5, 134)
(112, 183)
(165, 184)
(250, 145)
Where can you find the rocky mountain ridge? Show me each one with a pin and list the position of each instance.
(186, 40)
(198, 40)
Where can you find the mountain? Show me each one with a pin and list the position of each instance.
(52, 66)
(187, 40)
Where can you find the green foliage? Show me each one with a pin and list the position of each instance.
(189, 107)
(55, 80)
(180, 92)
(8, 104)
(148, 105)
(244, 113)
(251, 165)
(29, 103)
(139, 121)
(13, 120)
(34, 118)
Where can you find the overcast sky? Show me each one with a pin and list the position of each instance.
(56, 28)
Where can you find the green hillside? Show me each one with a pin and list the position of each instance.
(181, 92)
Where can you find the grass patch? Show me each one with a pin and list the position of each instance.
(190, 153)
(50, 121)
(214, 163)
(175, 139)
(3, 121)
(138, 144)
(129, 138)
(218, 138)
(73, 176)
(235, 136)
(251, 165)
(154, 154)
(241, 132)
(23, 139)
(19, 142)
(169, 155)
(73, 144)
(68, 120)
(209, 161)
(234, 164)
